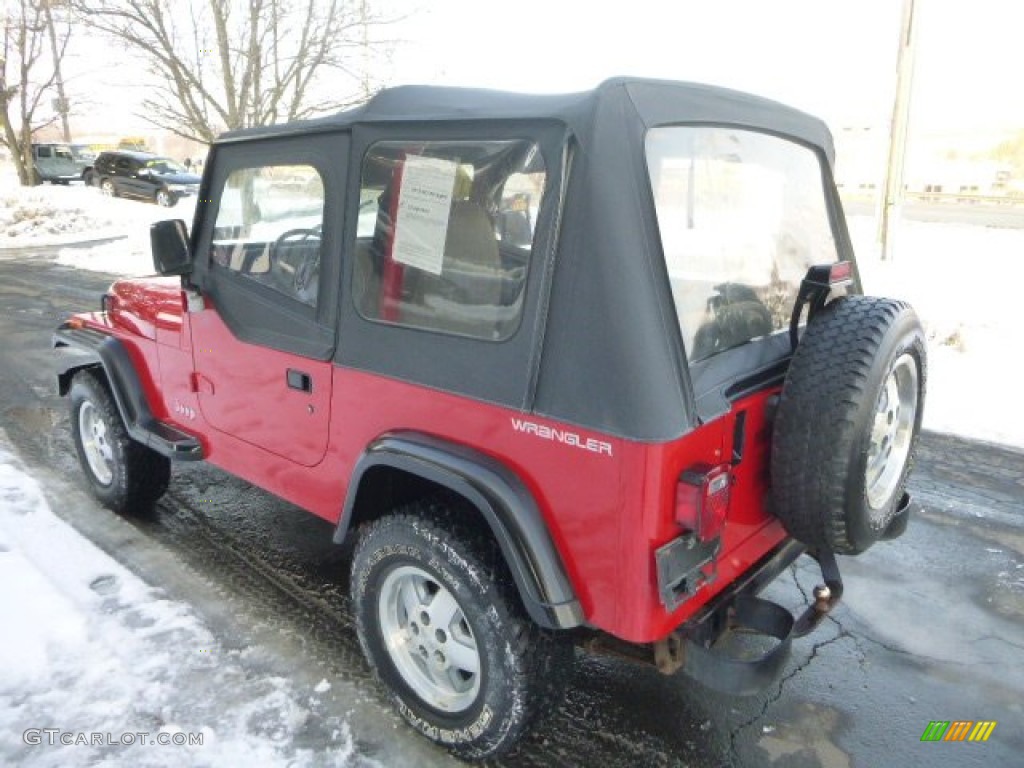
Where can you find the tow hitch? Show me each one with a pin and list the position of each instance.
(696, 647)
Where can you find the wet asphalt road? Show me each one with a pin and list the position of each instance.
(931, 626)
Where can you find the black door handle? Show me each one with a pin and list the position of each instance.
(299, 380)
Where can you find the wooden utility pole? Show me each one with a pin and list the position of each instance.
(892, 191)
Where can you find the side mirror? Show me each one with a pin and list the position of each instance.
(169, 242)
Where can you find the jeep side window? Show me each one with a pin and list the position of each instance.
(268, 228)
(43, 152)
(742, 215)
(445, 234)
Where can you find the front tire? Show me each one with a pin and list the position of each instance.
(123, 474)
(443, 629)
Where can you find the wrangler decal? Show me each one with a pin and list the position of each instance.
(562, 436)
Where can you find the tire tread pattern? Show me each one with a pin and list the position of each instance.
(821, 415)
(537, 662)
(143, 474)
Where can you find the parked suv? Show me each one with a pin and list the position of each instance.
(586, 369)
(54, 163)
(141, 175)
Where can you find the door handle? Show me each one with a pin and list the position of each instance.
(299, 380)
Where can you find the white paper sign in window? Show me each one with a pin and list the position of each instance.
(424, 204)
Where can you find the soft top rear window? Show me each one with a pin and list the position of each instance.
(742, 215)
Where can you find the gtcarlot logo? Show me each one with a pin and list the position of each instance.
(55, 736)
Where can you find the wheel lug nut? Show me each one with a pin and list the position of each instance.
(439, 657)
(424, 618)
(441, 637)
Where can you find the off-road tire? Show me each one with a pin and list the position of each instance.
(823, 427)
(139, 475)
(523, 668)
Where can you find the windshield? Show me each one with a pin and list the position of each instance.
(164, 165)
(742, 216)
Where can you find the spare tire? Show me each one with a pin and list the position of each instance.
(847, 423)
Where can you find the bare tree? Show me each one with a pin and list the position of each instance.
(227, 64)
(23, 82)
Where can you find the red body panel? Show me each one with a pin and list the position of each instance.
(140, 305)
(243, 392)
(608, 502)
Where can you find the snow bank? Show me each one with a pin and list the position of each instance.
(129, 256)
(87, 647)
(964, 282)
(55, 216)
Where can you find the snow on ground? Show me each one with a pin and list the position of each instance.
(88, 648)
(964, 282)
(53, 215)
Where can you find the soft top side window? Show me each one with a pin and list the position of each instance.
(269, 228)
(445, 234)
(742, 216)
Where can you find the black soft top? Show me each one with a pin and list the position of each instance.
(656, 102)
(599, 345)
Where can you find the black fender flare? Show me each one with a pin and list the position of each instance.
(92, 349)
(504, 502)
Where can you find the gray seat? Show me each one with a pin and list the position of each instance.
(465, 297)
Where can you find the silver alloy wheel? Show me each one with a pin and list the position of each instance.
(892, 431)
(95, 443)
(429, 639)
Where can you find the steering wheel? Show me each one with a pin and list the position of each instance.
(305, 274)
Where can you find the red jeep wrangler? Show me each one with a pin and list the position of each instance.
(548, 356)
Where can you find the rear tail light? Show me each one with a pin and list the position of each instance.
(702, 499)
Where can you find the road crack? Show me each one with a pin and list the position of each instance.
(816, 649)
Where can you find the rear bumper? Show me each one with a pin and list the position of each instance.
(739, 608)
(692, 646)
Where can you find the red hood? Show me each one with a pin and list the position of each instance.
(142, 304)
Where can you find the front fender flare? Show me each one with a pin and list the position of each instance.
(504, 502)
(93, 349)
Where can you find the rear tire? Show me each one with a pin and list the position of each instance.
(847, 423)
(123, 474)
(441, 625)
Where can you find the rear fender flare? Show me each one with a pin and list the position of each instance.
(504, 502)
